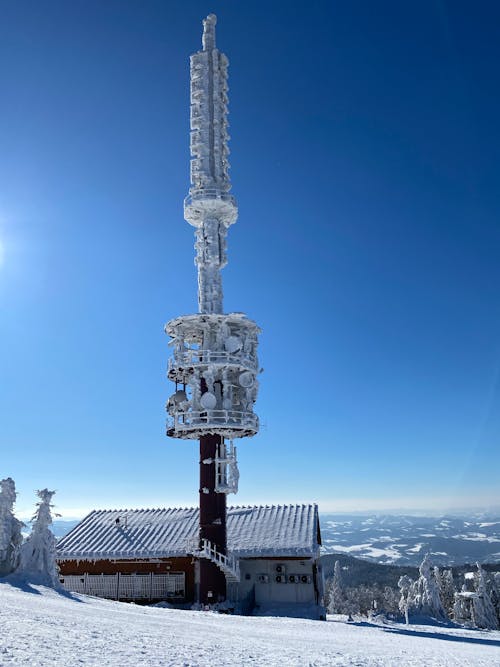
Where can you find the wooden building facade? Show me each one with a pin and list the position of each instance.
(150, 556)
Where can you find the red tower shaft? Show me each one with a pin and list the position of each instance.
(212, 522)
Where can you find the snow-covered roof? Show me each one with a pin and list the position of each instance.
(273, 530)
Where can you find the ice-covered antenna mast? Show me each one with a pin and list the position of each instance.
(214, 364)
(209, 207)
(208, 38)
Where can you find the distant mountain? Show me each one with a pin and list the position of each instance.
(359, 572)
(59, 528)
(404, 539)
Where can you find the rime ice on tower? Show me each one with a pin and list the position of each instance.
(214, 363)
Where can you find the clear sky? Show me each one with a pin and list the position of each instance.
(365, 160)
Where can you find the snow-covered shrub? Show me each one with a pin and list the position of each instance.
(10, 528)
(38, 553)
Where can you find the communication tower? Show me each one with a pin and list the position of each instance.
(214, 363)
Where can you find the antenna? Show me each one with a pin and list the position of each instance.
(214, 364)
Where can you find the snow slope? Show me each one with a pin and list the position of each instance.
(40, 627)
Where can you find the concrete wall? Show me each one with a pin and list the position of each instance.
(266, 593)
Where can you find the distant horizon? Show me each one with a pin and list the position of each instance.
(76, 514)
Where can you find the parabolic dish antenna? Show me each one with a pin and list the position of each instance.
(232, 344)
(208, 400)
(179, 396)
(246, 379)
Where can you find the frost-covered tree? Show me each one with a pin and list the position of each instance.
(361, 600)
(436, 572)
(405, 585)
(10, 528)
(483, 612)
(38, 553)
(425, 597)
(337, 603)
(462, 607)
(352, 605)
(495, 592)
(447, 590)
(390, 600)
(375, 599)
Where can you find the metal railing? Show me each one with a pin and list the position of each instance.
(199, 194)
(120, 586)
(205, 357)
(228, 563)
(190, 419)
(202, 202)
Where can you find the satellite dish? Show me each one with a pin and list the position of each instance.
(208, 400)
(246, 379)
(179, 396)
(232, 344)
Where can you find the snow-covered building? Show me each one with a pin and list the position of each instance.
(152, 555)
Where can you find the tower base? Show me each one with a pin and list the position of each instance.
(212, 588)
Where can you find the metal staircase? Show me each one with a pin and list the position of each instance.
(225, 562)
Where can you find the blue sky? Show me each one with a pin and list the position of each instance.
(365, 152)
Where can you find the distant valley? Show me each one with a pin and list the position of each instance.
(404, 539)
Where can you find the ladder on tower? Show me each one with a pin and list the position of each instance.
(226, 562)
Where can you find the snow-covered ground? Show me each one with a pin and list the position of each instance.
(39, 626)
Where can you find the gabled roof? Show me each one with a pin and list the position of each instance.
(274, 531)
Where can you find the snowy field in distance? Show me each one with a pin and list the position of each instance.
(42, 628)
(400, 539)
